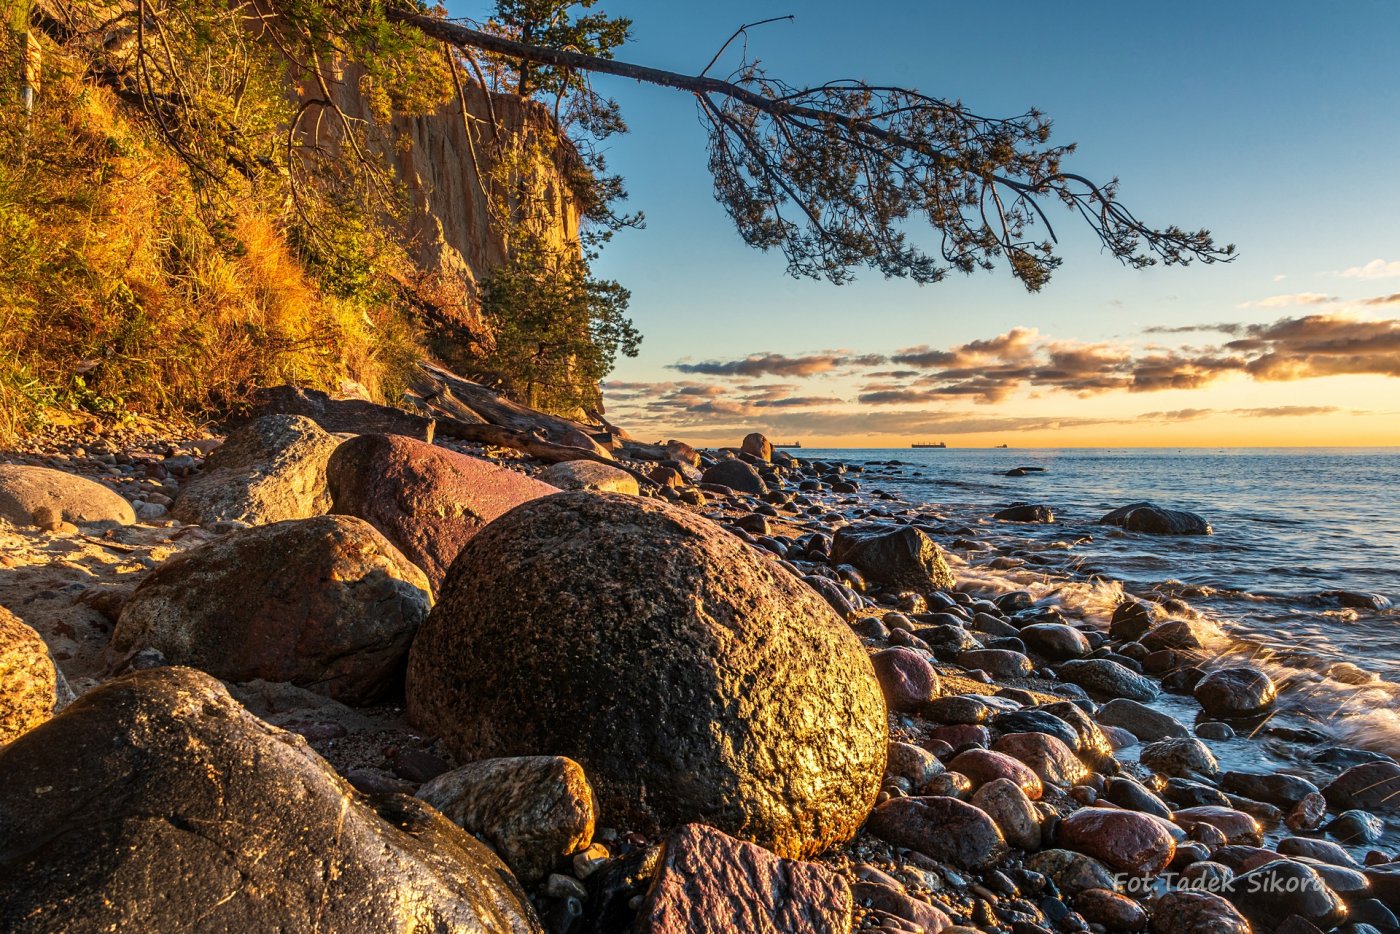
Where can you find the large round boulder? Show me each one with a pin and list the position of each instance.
(1146, 517)
(34, 495)
(29, 682)
(156, 803)
(325, 603)
(427, 500)
(734, 474)
(693, 678)
(269, 470)
(589, 475)
(1236, 692)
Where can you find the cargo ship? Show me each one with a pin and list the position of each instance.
(928, 444)
(790, 444)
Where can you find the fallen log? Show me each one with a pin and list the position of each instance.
(532, 445)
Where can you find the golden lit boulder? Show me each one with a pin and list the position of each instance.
(693, 678)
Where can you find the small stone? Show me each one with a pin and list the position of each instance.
(1113, 911)
(1180, 757)
(1072, 872)
(562, 886)
(999, 663)
(1236, 692)
(1237, 826)
(1047, 757)
(534, 811)
(1108, 678)
(906, 678)
(1184, 912)
(1005, 801)
(1124, 840)
(984, 765)
(941, 828)
(1307, 814)
(1055, 641)
(1142, 721)
(1275, 892)
(589, 861)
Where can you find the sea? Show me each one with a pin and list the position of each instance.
(1290, 526)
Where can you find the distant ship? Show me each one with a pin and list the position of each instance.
(928, 444)
(1001, 445)
(792, 444)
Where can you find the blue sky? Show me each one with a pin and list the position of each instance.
(1276, 125)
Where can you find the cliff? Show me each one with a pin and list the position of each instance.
(172, 261)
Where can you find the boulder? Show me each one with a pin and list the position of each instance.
(734, 474)
(156, 803)
(1053, 761)
(941, 828)
(1145, 517)
(271, 469)
(325, 603)
(534, 811)
(1131, 620)
(1236, 692)
(984, 765)
(1025, 512)
(1107, 678)
(710, 883)
(898, 555)
(425, 499)
(1072, 872)
(1110, 910)
(756, 445)
(55, 494)
(693, 678)
(999, 663)
(1182, 634)
(589, 475)
(1237, 826)
(1276, 788)
(1123, 840)
(29, 680)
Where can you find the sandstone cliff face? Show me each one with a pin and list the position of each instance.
(446, 161)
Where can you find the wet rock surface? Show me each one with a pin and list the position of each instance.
(733, 693)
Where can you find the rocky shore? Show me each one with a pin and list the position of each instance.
(314, 675)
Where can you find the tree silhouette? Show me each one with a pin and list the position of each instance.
(838, 175)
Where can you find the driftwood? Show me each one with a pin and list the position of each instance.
(445, 391)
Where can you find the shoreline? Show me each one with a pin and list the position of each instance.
(817, 499)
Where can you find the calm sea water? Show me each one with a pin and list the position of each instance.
(1289, 524)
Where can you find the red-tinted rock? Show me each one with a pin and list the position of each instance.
(907, 680)
(325, 603)
(1048, 757)
(1124, 840)
(941, 828)
(893, 900)
(961, 734)
(983, 765)
(1237, 826)
(1115, 912)
(427, 500)
(1307, 815)
(756, 445)
(710, 883)
(1006, 803)
(1183, 912)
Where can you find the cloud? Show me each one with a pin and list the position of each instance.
(1287, 301)
(1375, 269)
(1012, 346)
(1278, 411)
(1194, 328)
(1393, 299)
(774, 364)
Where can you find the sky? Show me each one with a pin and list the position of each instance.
(1274, 124)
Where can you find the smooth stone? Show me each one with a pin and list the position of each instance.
(914, 764)
(1055, 641)
(958, 708)
(1131, 619)
(1094, 747)
(1370, 786)
(735, 475)
(1184, 912)
(941, 828)
(1356, 826)
(589, 475)
(1108, 678)
(1145, 517)
(1025, 512)
(984, 765)
(1276, 891)
(1307, 815)
(1237, 826)
(30, 492)
(1052, 760)
(1131, 794)
(1142, 721)
(1115, 912)
(534, 811)
(756, 445)
(1324, 850)
(1005, 801)
(1123, 840)
(1034, 720)
(999, 663)
(1276, 788)
(1236, 692)
(1180, 635)
(1180, 757)
(907, 680)
(1072, 872)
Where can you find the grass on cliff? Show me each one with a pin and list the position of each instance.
(121, 293)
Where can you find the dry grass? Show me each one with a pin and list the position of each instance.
(120, 294)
